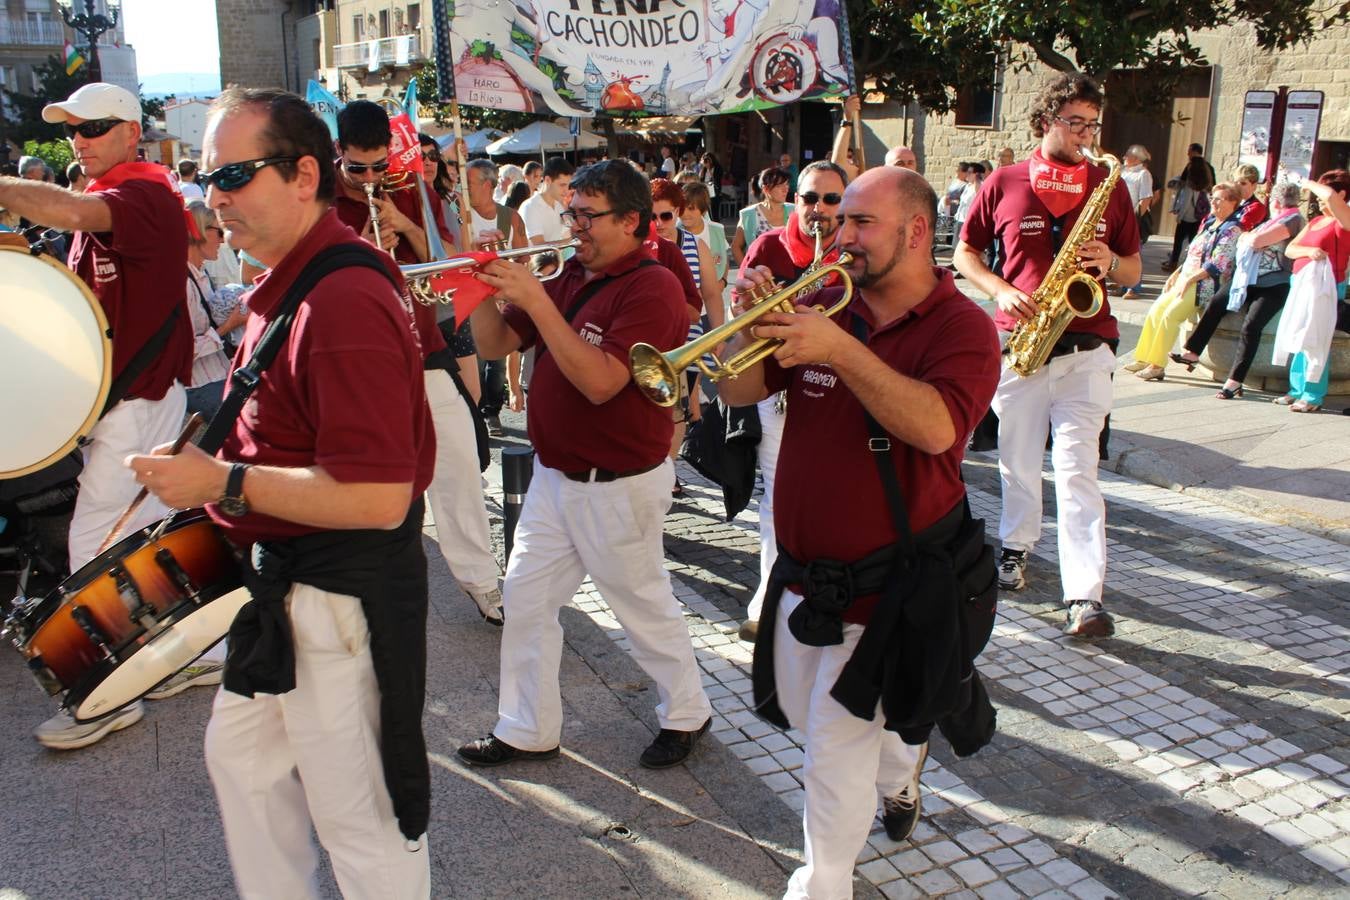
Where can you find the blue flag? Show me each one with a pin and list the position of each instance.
(410, 101)
(324, 104)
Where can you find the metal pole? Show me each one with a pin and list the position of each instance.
(517, 467)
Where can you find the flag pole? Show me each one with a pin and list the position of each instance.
(445, 86)
(846, 42)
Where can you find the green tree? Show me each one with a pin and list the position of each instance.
(927, 50)
(56, 154)
(26, 123)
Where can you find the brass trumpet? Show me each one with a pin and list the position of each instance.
(660, 375)
(374, 213)
(419, 275)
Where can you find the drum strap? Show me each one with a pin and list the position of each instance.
(144, 356)
(245, 379)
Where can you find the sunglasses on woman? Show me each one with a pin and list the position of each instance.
(233, 176)
(94, 128)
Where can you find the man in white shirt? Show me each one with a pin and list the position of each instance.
(543, 211)
(187, 181)
(667, 162)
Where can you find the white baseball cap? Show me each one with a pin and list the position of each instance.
(99, 100)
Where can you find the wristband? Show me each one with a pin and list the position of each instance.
(846, 123)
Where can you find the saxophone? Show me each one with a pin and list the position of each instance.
(1067, 291)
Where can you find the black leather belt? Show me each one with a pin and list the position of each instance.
(604, 475)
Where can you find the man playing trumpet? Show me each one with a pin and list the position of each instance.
(920, 359)
(602, 480)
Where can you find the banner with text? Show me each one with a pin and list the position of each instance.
(645, 57)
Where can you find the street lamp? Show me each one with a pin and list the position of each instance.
(91, 24)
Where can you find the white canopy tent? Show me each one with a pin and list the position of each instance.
(544, 137)
(477, 140)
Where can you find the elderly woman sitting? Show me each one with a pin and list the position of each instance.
(1265, 295)
(1207, 271)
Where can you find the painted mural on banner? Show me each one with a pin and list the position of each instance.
(646, 57)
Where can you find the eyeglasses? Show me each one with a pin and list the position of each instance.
(1078, 126)
(582, 221)
(811, 198)
(362, 168)
(234, 176)
(94, 128)
(666, 216)
(431, 157)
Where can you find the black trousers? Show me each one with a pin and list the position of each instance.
(492, 377)
(1185, 232)
(1263, 304)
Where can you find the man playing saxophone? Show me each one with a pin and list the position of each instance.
(1031, 207)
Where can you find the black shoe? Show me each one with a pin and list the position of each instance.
(492, 751)
(749, 630)
(1087, 619)
(900, 812)
(670, 747)
(494, 427)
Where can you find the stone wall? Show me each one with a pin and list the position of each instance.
(252, 50)
(1239, 66)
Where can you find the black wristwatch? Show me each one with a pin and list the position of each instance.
(233, 503)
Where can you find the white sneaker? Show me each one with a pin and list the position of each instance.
(61, 732)
(489, 605)
(189, 676)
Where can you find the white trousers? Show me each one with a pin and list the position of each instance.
(771, 423)
(850, 762)
(281, 763)
(107, 486)
(456, 491)
(1070, 394)
(612, 532)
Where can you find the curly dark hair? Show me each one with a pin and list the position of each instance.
(1069, 87)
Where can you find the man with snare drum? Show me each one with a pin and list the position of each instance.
(130, 247)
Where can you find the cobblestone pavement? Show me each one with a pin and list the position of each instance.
(1201, 751)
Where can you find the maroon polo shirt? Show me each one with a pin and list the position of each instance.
(138, 272)
(1008, 209)
(345, 393)
(356, 213)
(828, 500)
(628, 431)
(770, 250)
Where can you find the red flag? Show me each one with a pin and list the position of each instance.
(405, 154)
(468, 290)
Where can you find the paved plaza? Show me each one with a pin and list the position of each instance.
(1203, 750)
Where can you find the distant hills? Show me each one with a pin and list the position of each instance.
(181, 84)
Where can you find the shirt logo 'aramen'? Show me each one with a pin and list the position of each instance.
(819, 379)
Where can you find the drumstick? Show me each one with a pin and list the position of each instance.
(190, 429)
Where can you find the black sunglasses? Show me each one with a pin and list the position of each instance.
(811, 198)
(362, 168)
(94, 128)
(664, 216)
(233, 176)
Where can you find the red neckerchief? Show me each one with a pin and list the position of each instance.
(1061, 188)
(467, 289)
(141, 171)
(801, 248)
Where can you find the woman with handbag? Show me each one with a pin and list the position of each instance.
(1207, 271)
(1190, 206)
(1326, 237)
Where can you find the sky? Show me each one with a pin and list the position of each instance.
(171, 37)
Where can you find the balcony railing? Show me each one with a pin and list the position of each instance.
(401, 50)
(36, 34)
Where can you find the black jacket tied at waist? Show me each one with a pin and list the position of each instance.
(387, 572)
(915, 656)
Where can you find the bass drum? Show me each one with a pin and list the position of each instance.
(55, 361)
(133, 616)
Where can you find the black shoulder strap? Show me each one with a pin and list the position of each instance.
(141, 361)
(244, 380)
(880, 445)
(201, 299)
(588, 291)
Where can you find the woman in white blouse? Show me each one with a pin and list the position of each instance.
(210, 365)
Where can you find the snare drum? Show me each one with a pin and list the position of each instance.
(55, 361)
(133, 616)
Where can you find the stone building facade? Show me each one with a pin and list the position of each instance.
(1208, 110)
(269, 43)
